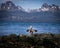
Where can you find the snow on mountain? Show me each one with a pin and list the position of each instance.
(46, 13)
(9, 5)
(46, 7)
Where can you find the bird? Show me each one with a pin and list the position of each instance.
(31, 30)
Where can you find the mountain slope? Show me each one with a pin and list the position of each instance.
(10, 12)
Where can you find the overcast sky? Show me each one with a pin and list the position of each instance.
(33, 4)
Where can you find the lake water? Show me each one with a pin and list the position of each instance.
(7, 28)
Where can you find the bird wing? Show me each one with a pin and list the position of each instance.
(27, 30)
(35, 30)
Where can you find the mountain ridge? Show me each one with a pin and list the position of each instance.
(47, 13)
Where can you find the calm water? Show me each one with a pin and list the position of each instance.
(7, 28)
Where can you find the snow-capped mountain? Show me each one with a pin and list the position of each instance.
(46, 7)
(46, 13)
(9, 5)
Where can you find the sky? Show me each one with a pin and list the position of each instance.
(32, 4)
